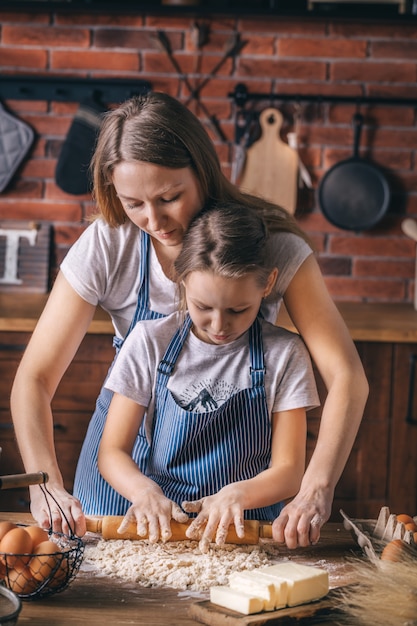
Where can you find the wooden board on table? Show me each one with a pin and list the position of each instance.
(214, 615)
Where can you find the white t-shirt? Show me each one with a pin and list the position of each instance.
(103, 268)
(217, 371)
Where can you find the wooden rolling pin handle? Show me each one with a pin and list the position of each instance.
(14, 481)
(107, 526)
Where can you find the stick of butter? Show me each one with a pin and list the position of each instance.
(305, 582)
(236, 600)
(254, 581)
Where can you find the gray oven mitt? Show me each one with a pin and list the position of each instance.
(16, 138)
(72, 170)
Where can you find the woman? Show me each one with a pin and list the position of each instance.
(220, 400)
(154, 169)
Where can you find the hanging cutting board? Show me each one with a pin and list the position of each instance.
(271, 166)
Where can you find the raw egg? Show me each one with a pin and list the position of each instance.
(395, 550)
(44, 559)
(405, 519)
(16, 542)
(21, 581)
(5, 527)
(39, 534)
(411, 526)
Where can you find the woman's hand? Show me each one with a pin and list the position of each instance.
(215, 514)
(300, 521)
(152, 515)
(67, 517)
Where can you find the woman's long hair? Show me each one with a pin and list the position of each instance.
(156, 128)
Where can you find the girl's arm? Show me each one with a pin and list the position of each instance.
(53, 344)
(279, 482)
(150, 508)
(333, 351)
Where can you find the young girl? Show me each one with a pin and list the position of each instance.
(219, 399)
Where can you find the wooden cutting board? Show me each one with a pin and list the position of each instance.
(271, 166)
(213, 615)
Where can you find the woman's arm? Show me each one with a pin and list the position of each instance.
(279, 481)
(151, 510)
(333, 351)
(53, 344)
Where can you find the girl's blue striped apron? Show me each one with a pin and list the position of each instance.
(95, 494)
(193, 455)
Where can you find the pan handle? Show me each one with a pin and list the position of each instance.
(357, 122)
(409, 416)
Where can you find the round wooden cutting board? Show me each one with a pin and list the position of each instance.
(271, 166)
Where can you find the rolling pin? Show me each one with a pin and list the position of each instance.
(14, 481)
(107, 526)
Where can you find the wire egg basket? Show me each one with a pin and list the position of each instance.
(42, 573)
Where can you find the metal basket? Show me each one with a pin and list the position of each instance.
(38, 575)
(33, 576)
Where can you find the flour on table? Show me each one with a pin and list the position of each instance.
(177, 564)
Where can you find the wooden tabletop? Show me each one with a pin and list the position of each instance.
(96, 601)
(396, 322)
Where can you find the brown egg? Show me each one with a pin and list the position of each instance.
(44, 560)
(21, 581)
(411, 526)
(39, 534)
(5, 527)
(61, 574)
(16, 542)
(405, 519)
(395, 550)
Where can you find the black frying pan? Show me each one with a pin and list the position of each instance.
(354, 194)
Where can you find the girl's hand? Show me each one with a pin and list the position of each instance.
(61, 513)
(153, 514)
(215, 514)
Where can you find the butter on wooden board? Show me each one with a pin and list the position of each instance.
(293, 584)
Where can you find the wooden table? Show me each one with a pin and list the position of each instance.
(99, 601)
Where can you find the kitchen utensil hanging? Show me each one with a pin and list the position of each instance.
(233, 50)
(16, 138)
(354, 194)
(271, 167)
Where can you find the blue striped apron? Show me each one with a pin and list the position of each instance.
(97, 497)
(193, 455)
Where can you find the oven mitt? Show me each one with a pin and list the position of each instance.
(72, 170)
(16, 138)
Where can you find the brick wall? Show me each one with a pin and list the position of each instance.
(282, 56)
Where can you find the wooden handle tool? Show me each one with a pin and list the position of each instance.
(13, 481)
(107, 526)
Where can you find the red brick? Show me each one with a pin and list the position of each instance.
(259, 45)
(23, 58)
(94, 60)
(313, 70)
(39, 168)
(41, 210)
(374, 30)
(66, 235)
(367, 290)
(132, 38)
(45, 36)
(394, 50)
(373, 72)
(375, 115)
(317, 47)
(368, 246)
(277, 25)
(384, 269)
(29, 17)
(99, 19)
(335, 266)
(18, 188)
(53, 192)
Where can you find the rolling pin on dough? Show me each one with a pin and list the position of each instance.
(107, 526)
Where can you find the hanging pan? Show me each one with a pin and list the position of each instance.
(354, 194)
